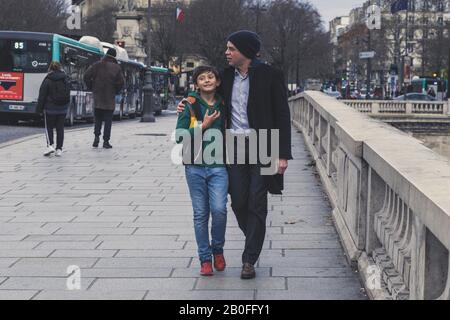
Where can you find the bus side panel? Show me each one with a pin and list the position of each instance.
(75, 62)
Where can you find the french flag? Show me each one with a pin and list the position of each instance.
(180, 15)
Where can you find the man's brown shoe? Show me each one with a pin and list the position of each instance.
(248, 271)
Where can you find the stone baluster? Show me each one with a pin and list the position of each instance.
(409, 108)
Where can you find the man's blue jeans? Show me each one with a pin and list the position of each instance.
(209, 189)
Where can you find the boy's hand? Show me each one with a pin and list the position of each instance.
(209, 119)
(181, 105)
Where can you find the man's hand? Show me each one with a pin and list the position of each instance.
(282, 166)
(181, 105)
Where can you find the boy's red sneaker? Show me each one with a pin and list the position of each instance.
(206, 269)
(219, 262)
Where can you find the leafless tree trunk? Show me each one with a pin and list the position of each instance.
(165, 33)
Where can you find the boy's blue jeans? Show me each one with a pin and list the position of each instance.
(209, 189)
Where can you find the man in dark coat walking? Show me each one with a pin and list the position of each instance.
(255, 95)
(105, 79)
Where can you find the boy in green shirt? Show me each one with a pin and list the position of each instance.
(207, 180)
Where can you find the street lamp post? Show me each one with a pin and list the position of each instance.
(369, 67)
(147, 113)
(258, 10)
(448, 76)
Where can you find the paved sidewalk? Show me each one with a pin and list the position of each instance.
(124, 217)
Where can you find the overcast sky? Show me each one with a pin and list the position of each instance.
(334, 8)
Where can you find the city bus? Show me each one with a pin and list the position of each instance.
(133, 95)
(161, 78)
(423, 85)
(24, 61)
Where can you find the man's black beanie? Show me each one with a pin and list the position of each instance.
(247, 42)
(112, 52)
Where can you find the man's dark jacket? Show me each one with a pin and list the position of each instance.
(105, 79)
(267, 108)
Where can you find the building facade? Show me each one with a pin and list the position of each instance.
(403, 46)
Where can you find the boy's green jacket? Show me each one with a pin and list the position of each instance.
(189, 119)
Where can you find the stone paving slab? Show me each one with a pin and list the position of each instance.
(201, 295)
(124, 217)
(89, 295)
(17, 294)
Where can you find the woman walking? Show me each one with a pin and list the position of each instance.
(54, 101)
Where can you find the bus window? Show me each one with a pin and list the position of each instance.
(418, 86)
(25, 56)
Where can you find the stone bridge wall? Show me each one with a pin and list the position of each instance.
(411, 116)
(390, 196)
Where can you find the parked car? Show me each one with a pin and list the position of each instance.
(355, 95)
(363, 94)
(334, 94)
(415, 96)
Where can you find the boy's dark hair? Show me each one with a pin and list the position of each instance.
(204, 69)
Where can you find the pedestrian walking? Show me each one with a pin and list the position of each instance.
(431, 92)
(207, 182)
(255, 98)
(53, 103)
(106, 80)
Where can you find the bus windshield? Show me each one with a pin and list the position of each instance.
(28, 56)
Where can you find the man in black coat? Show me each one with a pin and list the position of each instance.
(255, 95)
(255, 98)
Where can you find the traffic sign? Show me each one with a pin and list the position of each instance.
(367, 55)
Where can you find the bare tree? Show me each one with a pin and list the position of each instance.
(165, 33)
(292, 34)
(208, 23)
(102, 23)
(37, 15)
(295, 40)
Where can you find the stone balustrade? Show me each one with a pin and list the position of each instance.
(390, 195)
(381, 107)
